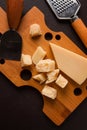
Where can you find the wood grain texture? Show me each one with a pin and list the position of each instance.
(66, 102)
(14, 12)
(3, 21)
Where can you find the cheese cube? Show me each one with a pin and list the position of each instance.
(46, 65)
(38, 55)
(61, 81)
(35, 30)
(52, 76)
(49, 92)
(40, 78)
(26, 60)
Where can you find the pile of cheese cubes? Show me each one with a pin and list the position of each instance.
(46, 71)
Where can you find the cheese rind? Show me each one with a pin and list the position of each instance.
(46, 65)
(49, 92)
(38, 55)
(72, 64)
(61, 81)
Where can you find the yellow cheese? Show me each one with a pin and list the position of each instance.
(26, 60)
(46, 65)
(40, 78)
(35, 30)
(38, 55)
(52, 76)
(49, 92)
(72, 64)
(61, 81)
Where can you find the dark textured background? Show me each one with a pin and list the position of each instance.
(21, 108)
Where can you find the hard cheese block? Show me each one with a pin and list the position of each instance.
(72, 64)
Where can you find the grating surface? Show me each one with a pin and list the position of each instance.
(64, 8)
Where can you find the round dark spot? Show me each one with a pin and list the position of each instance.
(77, 91)
(48, 36)
(26, 74)
(2, 61)
(58, 37)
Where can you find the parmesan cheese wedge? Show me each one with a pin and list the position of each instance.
(72, 64)
(49, 92)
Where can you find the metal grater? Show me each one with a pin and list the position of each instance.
(64, 9)
(68, 9)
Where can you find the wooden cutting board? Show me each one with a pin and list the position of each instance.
(67, 101)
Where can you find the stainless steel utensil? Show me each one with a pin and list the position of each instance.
(68, 9)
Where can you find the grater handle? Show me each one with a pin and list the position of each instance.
(81, 30)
